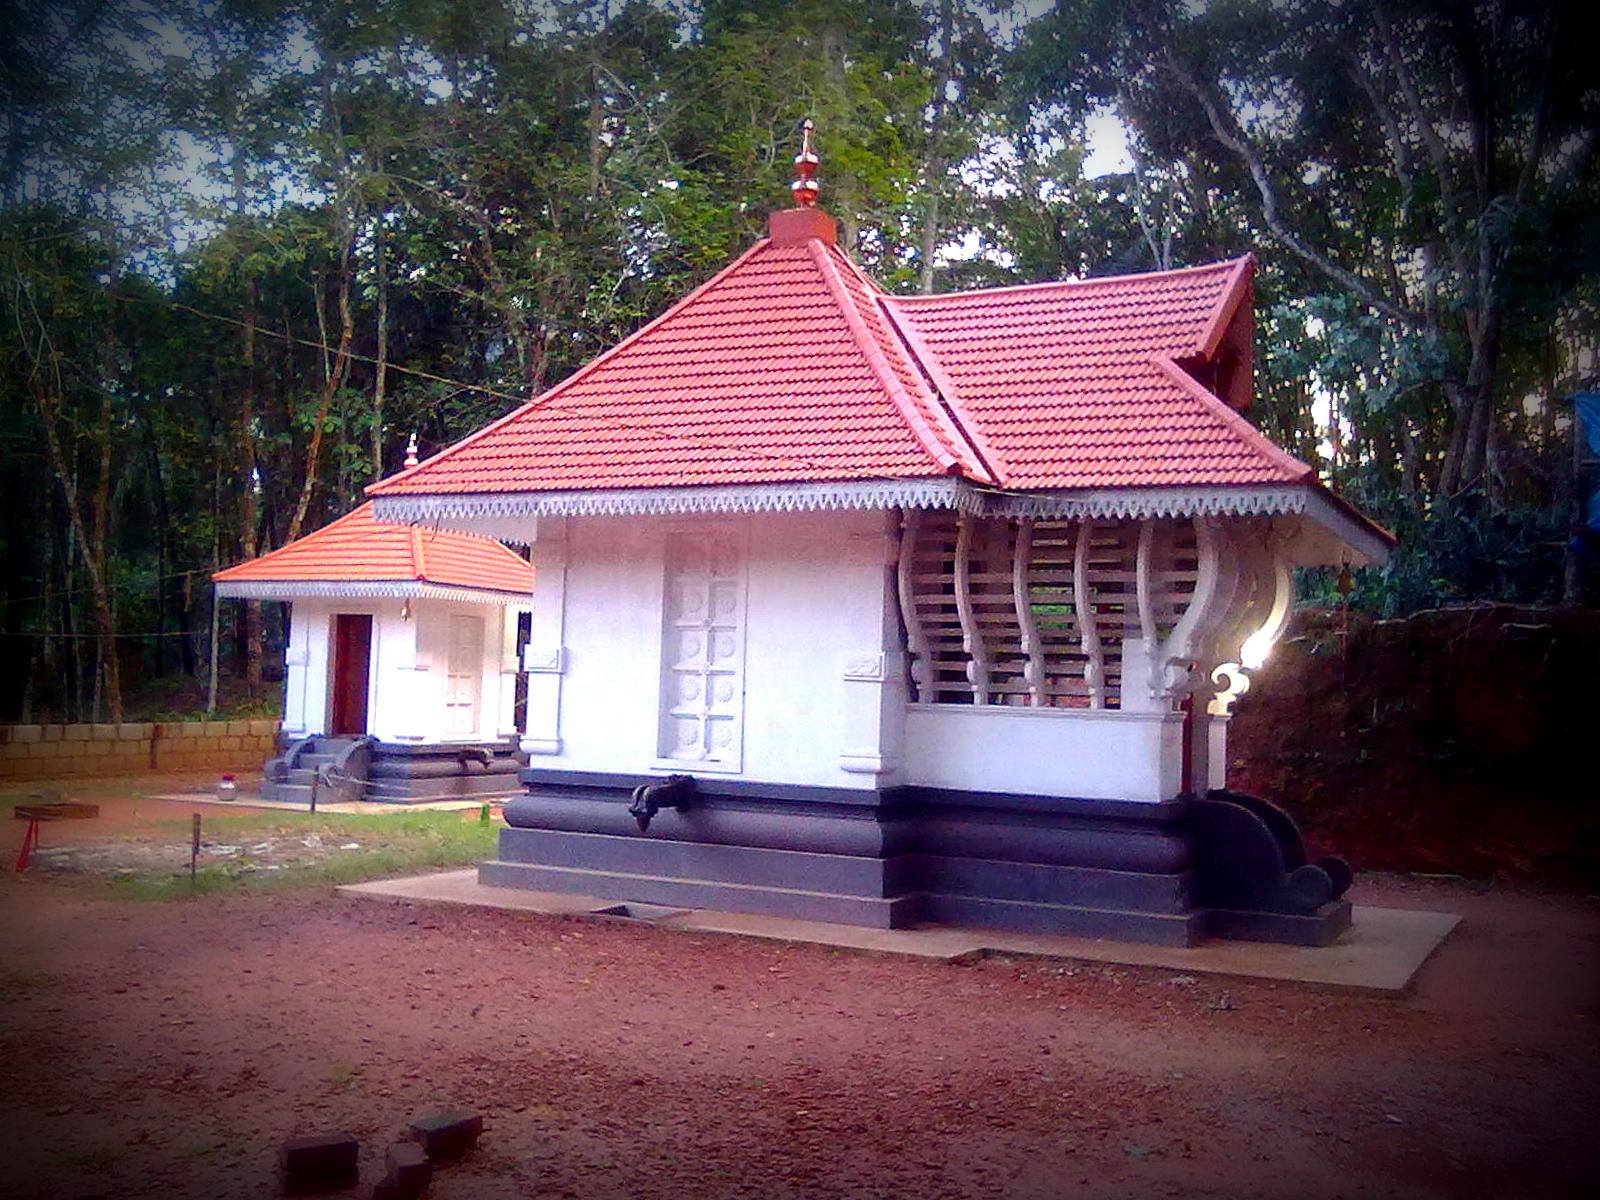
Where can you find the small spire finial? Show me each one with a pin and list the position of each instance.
(804, 187)
(411, 450)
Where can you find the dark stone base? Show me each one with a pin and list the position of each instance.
(897, 857)
(391, 773)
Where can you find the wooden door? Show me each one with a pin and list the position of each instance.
(463, 676)
(352, 662)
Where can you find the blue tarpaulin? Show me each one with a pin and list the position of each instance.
(1587, 407)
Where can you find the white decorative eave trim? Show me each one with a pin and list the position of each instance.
(510, 516)
(456, 511)
(368, 589)
(1103, 504)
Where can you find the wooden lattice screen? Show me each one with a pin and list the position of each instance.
(1025, 612)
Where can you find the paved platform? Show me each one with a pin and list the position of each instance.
(356, 807)
(1380, 953)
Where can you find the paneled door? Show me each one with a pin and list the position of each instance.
(463, 685)
(348, 674)
(702, 650)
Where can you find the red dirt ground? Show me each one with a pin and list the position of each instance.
(164, 1049)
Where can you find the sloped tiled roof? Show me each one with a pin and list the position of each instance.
(791, 366)
(779, 369)
(1080, 384)
(358, 549)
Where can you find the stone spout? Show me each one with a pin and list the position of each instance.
(674, 791)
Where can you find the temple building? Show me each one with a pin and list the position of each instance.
(401, 675)
(891, 609)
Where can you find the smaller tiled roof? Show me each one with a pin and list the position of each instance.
(358, 549)
(1093, 383)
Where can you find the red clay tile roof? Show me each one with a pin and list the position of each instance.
(356, 548)
(791, 365)
(779, 369)
(1077, 385)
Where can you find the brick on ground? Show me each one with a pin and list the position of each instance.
(410, 1172)
(447, 1135)
(320, 1162)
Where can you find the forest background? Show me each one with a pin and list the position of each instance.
(248, 248)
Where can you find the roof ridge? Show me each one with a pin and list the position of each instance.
(582, 372)
(1088, 282)
(1218, 408)
(419, 563)
(947, 459)
(1226, 307)
(945, 389)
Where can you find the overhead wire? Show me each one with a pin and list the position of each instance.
(706, 441)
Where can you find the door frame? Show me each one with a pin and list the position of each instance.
(335, 653)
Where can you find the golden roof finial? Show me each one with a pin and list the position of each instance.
(804, 187)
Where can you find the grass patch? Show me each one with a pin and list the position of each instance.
(389, 844)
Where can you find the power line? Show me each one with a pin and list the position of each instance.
(705, 442)
(115, 585)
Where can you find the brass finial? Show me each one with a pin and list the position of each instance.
(804, 187)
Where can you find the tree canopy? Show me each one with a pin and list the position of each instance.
(247, 248)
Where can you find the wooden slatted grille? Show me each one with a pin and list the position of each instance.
(1025, 612)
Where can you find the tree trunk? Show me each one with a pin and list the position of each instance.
(935, 165)
(92, 547)
(336, 372)
(381, 272)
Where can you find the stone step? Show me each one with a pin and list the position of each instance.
(801, 870)
(1069, 920)
(878, 912)
(287, 793)
(455, 787)
(1045, 883)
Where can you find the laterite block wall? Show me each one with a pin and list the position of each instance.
(55, 751)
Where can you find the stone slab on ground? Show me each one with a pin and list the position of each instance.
(320, 1162)
(1380, 953)
(410, 1170)
(445, 1136)
(352, 808)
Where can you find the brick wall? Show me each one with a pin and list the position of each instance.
(55, 751)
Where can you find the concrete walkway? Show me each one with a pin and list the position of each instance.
(246, 800)
(1381, 953)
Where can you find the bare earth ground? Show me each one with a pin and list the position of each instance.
(165, 1048)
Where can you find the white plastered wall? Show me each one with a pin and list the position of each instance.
(406, 671)
(817, 607)
(824, 700)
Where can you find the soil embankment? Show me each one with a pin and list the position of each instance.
(1455, 740)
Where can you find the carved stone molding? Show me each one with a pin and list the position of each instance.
(546, 661)
(866, 762)
(867, 668)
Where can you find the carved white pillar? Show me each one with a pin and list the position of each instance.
(916, 638)
(1094, 668)
(1027, 623)
(971, 631)
(545, 656)
(509, 668)
(1217, 752)
(296, 662)
(873, 676)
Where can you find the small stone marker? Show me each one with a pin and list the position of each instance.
(320, 1162)
(410, 1172)
(447, 1135)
